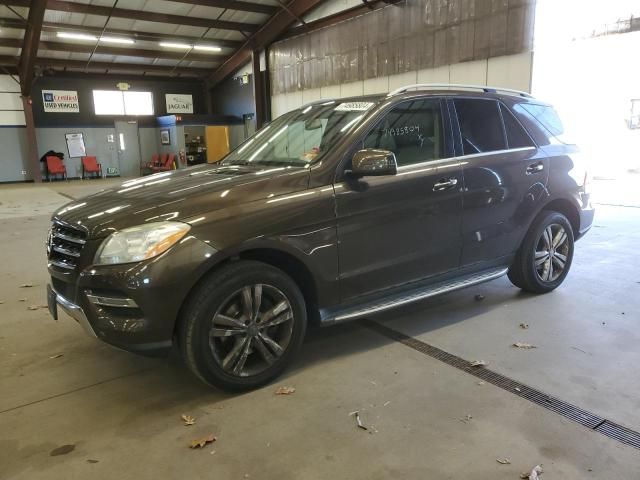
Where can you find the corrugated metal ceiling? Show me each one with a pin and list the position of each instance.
(164, 30)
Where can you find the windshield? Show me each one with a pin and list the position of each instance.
(300, 137)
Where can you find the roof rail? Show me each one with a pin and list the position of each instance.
(318, 102)
(484, 88)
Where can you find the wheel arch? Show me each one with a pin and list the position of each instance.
(566, 208)
(284, 260)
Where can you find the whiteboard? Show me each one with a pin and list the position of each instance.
(75, 144)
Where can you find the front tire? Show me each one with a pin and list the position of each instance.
(544, 258)
(242, 326)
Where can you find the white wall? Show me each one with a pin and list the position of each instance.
(11, 111)
(511, 71)
(13, 138)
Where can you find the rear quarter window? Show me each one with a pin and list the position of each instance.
(545, 119)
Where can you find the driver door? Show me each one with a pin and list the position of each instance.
(402, 228)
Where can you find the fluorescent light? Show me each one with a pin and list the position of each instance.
(207, 48)
(126, 41)
(77, 36)
(175, 45)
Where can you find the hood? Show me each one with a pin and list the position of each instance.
(179, 195)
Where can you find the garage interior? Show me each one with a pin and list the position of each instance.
(185, 81)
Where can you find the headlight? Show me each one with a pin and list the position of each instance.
(140, 243)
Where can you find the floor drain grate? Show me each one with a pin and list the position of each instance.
(577, 414)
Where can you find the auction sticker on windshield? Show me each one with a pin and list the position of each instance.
(354, 106)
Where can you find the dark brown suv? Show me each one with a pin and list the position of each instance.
(332, 212)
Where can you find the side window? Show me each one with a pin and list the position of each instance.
(412, 130)
(517, 137)
(545, 120)
(480, 125)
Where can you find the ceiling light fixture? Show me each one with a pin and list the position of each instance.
(183, 46)
(126, 41)
(77, 36)
(207, 48)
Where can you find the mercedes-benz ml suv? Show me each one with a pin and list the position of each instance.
(332, 212)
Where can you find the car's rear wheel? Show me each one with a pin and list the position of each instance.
(243, 325)
(544, 258)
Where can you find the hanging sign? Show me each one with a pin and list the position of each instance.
(60, 101)
(179, 103)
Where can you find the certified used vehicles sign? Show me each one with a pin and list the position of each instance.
(60, 101)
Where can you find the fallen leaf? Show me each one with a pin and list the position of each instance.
(526, 346)
(201, 442)
(466, 419)
(478, 363)
(91, 460)
(524, 326)
(57, 355)
(22, 300)
(188, 420)
(285, 390)
(534, 475)
(62, 450)
(26, 285)
(33, 307)
(503, 461)
(358, 421)
(479, 298)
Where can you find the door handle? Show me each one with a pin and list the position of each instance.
(535, 168)
(445, 184)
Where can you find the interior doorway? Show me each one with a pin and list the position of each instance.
(128, 142)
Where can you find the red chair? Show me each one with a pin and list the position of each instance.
(91, 165)
(155, 160)
(166, 165)
(56, 167)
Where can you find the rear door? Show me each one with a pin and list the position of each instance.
(401, 228)
(504, 176)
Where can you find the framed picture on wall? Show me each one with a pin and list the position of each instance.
(165, 137)
(75, 144)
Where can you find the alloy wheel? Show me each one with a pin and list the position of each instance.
(251, 330)
(551, 253)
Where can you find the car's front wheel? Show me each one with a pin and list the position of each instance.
(243, 325)
(544, 258)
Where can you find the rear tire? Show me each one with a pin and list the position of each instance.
(544, 258)
(242, 326)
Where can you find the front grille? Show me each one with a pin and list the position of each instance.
(64, 245)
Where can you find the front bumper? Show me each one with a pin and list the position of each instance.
(56, 300)
(133, 307)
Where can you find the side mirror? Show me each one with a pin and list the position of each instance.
(372, 162)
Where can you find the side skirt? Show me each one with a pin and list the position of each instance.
(412, 295)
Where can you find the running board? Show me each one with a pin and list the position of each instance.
(414, 295)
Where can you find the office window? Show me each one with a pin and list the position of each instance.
(138, 103)
(114, 102)
(108, 102)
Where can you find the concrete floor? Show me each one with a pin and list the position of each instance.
(122, 412)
